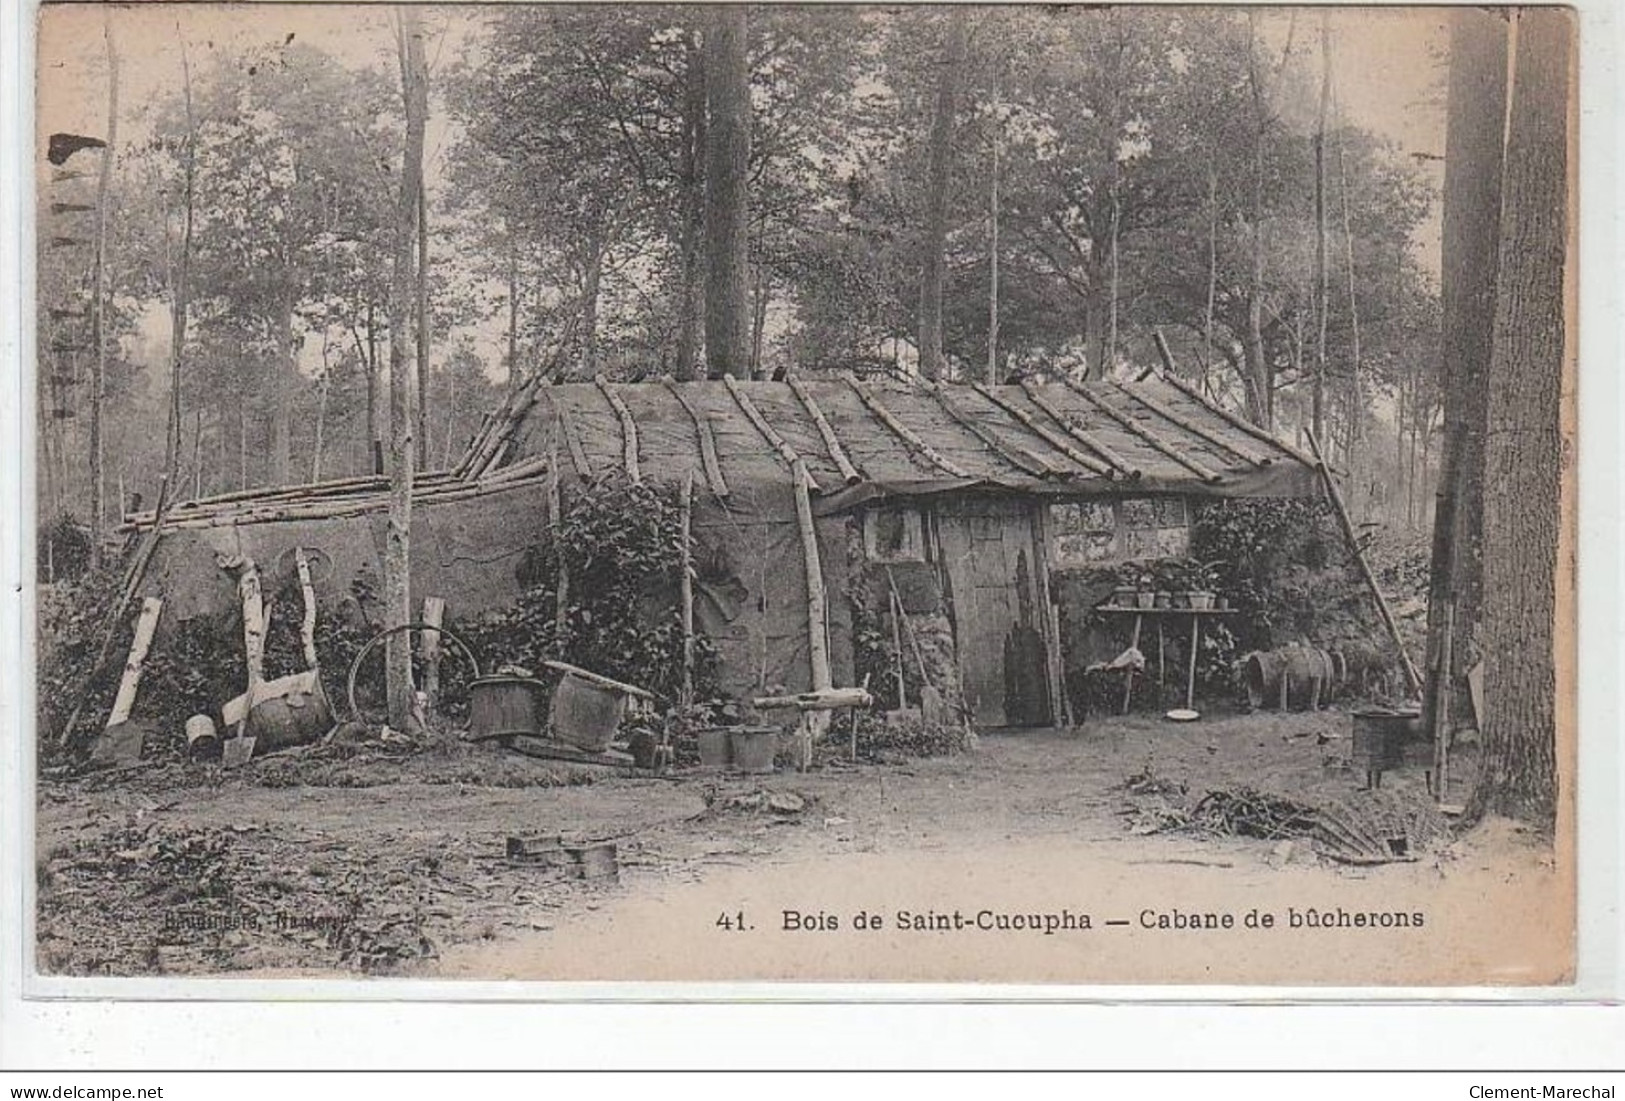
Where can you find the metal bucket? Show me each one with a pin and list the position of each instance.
(501, 707)
(202, 739)
(716, 747)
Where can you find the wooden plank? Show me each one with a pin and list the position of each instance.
(1145, 435)
(629, 430)
(1054, 439)
(832, 442)
(599, 679)
(903, 432)
(1077, 431)
(768, 432)
(1412, 678)
(146, 623)
(708, 443)
(1060, 704)
(1022, 460)
(1180, 420)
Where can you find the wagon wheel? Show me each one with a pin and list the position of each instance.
(321, 564)
(356, 713)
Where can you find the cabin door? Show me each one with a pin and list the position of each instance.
(991, 560)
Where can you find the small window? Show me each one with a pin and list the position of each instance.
(894, 535)
(1096, 532)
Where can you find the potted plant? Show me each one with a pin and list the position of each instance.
(1146, 593)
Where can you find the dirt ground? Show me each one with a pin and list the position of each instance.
(317, 864)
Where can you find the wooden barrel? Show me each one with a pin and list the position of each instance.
(586, 715)
(1301, 666)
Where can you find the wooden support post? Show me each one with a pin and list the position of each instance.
(1128, 674)
(434, 614)
(897, 645)
(1163, 352)
(307, 626)
(248, 591)
(128, 685)
(1190, 677)
(817, 614)
(686, 585)
(1412, 678)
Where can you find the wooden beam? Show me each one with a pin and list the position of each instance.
(831, 441)
(629, 430)
(903, 432)
(817, 609)
(1077, 431)
(572, 441)
(1239, 423)
(1054, 439)
(434, 614)
(307, 625)
(1140, 432)
(1412, 678)
(1022, 460)
(1195, 429)
(708, 442)
(768, 432)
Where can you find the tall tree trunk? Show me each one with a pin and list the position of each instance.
(372, 387)
(727, 193)
(761, 293)
(691, 290)
(1474, 156)
(1356, 380)
(1323, 299)
(397, 546)
(591, 283)
(1260, 383)
(939, 174)
(283, 386)
(98, 308)
(180, 290)
(993, 248)
(422, 328)
(1525, 461)
(323, 385)
(1212, 269)
(242, 447)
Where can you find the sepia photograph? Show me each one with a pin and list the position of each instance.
(790, 493)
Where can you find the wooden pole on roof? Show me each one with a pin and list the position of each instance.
(903, 432)
(832, 442)
(1241, 424)
(769, 433)
(1078, 431)
(629, 429)
(708, 443)
(1055, 440)
(1022, 460)
(1139, 431)
(1179, 419)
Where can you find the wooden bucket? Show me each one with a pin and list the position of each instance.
(586, 715)
(501, 707)
(754, 748)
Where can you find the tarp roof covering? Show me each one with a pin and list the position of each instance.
(860, 440)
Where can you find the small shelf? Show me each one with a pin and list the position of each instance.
(1113, 609)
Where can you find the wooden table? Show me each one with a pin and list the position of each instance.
(1161, 615)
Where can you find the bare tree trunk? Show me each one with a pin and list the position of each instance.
(372, 387)
(513, 317)
(1356, 381)
(323, 386)
(727, 194)
(760, 294)
(939, 173)
(242, 448)
(1212, 269)
(590, 290)
(691, 304)
(422, 328)
(1322, 272)
(287, 378)
(1474, 156)
(98, 307)
(180, 290)
(397, 547)
(993, 249)
(1260, 381)
(1525, 459)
